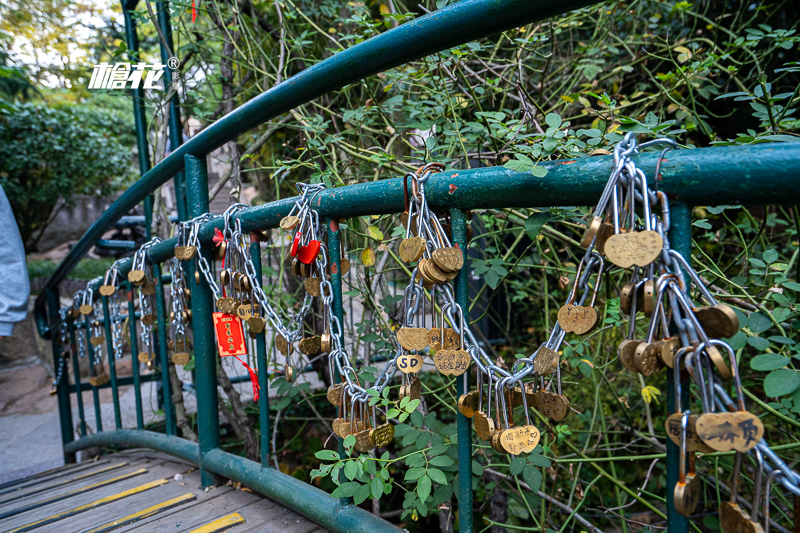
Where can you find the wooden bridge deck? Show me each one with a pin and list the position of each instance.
(138, 491)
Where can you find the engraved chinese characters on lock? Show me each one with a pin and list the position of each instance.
(638, 248)
(520, 439)
(739, 431)
(452, 362)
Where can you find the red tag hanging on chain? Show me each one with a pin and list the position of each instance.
(295, 244)
(253, 379)
(230, 335)
(194, 12)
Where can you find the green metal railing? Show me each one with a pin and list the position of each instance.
(708, 176)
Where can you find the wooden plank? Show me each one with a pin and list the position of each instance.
(83, 508)
(47, 475)
(41, 503)
(144, 513)
(161, 471)
(15, 495)
(275, 519)
(208, 506)
(220, 524)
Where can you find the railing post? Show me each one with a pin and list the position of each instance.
(464, 428)
(64, 405)
(98, 418)
(680, 239)
(76, 370)
(163, 353)
(335, 253)
(205, 354)
(137, 386)
(174, 116)
(261, 359)
(112, 364)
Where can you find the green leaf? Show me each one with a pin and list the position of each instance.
(759, 343)
(417, 418)
(362, 494)
(414, 473)
(534, 223)
(437, 476)
(738, 341)
(792, 285)
(781, 382)
(539, 171)
(759, 322)
(424, 488)
(770, 256)
(553, 120)
(346, 490)
(532, 477)
(327, 455)
(375, 233)
(442, 460)
(350, 441)
(377, 487)
(538, 459)
(517, 465)
(768, 361)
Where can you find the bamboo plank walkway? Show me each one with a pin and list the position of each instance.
(142, 492)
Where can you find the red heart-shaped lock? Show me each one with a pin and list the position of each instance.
(295, 244)
(309, 252)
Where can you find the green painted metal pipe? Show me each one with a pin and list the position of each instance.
(297, 495)
(680, 240)
(463, 425)
(64, 406)
(76, 369)
(176, 446)
(205, 353)
(140, 121)
(261, 361)
(445, 28)
(134, 341)
(174, 115)
(98, 418)
(759, 174)
(112, 364)
(163, 353)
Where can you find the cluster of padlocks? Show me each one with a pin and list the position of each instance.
(629, 229)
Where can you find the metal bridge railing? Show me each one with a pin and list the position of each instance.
(709, 176)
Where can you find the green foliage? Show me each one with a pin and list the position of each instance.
(50, 153)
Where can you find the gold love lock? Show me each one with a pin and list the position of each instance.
(452, 362)
(520, 439)
(734, 519)
(484, 426)
(226, 305)
(97, 341)
(451, 339)
(693, 442)
(551, 405)
(411, 249)
(409, 363)
(626, 351)
(413, 338)
(363, 442)
(149, 319)
(546, 361)
(289, 223)
(107, 290)
(647, 358)
(136, 277)
(341, 427)
(334, 394)
(144, 357)
(415, 389)
(256, 323)
(449, 259)
(312, 286)
(382, 435)
(148, 289)
(668, 350)
(577, 319)
(718, 321)
(468, 403)
(283, 345)
(638, 248)
(739, 430)
(180, 358)
(310, 345)
(246, 310)
(86, 309)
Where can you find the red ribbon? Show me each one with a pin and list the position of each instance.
(253, 378)
(194, 12)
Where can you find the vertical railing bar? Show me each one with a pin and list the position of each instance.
(205, 353)
(76, 370)
(174, 114)
(98, 419)
(163, 353)
(680, 239)
(261, 359)
(335, 251)
(64, 404)
(112, 364)
(137, 386)
(464, 428)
